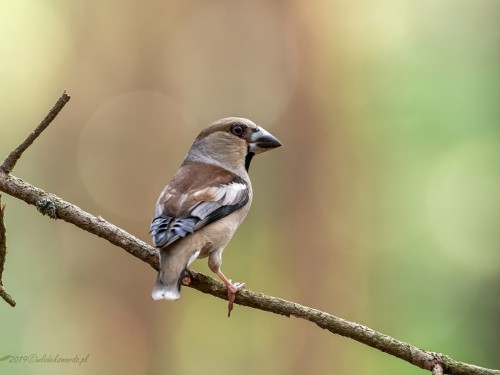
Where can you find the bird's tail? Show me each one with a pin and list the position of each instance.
(161, 290)
(172, 268)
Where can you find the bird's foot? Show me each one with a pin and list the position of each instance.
(232, 289)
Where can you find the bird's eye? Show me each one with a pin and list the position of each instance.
(237, 129)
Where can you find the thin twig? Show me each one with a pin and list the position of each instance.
(10, 162)
(7, 297)
(3, 253)
(3, 241)
(55, 207)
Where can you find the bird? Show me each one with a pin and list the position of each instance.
(198, 212)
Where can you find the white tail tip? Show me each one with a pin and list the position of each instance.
(160, 292)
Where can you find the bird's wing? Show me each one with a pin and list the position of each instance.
(198, 195)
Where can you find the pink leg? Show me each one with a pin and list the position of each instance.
(232, 289)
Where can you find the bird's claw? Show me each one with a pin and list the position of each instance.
(232, 289)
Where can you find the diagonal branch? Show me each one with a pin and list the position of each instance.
(57, 208)
(96, 225)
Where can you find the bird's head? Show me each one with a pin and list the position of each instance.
(232, 142)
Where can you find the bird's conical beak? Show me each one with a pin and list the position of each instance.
(262, 141)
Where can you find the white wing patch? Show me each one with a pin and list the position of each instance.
(218, 196)
(225, 194)
(233, 193)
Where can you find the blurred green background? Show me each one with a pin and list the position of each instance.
(382, 208)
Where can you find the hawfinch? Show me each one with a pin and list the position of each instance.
(199, 210)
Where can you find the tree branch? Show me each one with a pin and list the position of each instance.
(56, 208)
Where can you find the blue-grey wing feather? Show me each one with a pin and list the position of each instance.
(166, 229)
